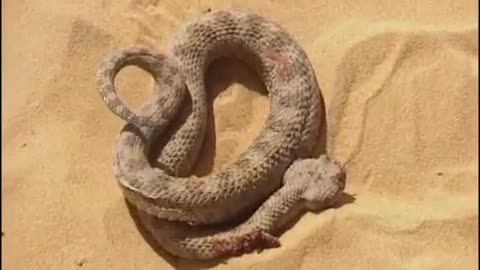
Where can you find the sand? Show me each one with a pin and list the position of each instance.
(399, 79)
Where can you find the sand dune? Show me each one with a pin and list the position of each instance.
(399, 79)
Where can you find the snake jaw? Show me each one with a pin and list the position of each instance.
(322, 180)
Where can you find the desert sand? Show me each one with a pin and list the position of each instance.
(399, 80)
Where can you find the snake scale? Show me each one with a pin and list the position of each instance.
(270, 182)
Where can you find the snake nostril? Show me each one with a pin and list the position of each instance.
(343, 177)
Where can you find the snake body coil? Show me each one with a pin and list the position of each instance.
(274, 177)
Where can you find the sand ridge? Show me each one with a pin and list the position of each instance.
(399, 79)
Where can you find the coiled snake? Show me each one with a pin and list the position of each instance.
(274, 178)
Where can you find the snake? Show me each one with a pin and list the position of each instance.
(244, 205)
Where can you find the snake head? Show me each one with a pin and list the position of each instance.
(322, 180)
